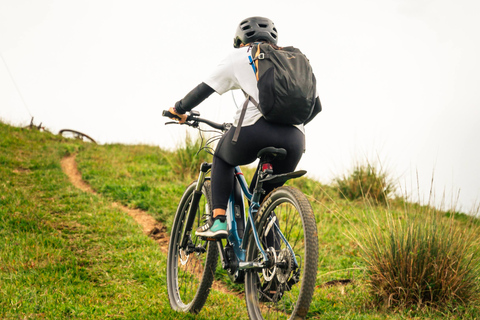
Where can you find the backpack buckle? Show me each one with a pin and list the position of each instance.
(260, 56)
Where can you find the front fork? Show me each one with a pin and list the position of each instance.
(192, 210)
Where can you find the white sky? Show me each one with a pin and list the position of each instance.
(399, 79)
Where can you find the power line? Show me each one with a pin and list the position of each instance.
(16, 86)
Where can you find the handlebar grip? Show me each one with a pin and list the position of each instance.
(170, 115)
(193, 120)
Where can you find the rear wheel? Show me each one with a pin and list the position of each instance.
(68, 133)
(190, 270)
(284, 289)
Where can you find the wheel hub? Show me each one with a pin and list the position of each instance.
(285, 262)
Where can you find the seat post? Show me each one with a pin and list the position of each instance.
(266, 156)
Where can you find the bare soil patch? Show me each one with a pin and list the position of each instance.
(151, 227)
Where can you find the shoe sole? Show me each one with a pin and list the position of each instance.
(213, 235)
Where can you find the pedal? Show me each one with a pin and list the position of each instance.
(210, 239)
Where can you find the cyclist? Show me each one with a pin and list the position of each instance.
(235, 72)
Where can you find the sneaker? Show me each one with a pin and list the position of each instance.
(214, 228)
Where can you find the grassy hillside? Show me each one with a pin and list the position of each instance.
(65, 253)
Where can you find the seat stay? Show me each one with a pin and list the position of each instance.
(279, 232)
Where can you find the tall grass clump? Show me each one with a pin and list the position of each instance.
(185, 160)
(367, 182)
(421, 259)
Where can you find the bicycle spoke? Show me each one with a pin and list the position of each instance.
(284, 294)
(189, 270)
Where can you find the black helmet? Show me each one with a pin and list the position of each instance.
(255, 29)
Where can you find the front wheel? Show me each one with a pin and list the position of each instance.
(190, 270)
(288, 234)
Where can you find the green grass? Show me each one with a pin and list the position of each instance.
(418, 260)
(66, 254)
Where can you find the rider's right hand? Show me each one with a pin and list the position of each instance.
(183, 117)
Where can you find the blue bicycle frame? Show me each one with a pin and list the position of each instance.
(239, 245)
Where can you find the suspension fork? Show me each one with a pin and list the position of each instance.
(192, 210)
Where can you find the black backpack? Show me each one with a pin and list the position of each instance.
(286, 85)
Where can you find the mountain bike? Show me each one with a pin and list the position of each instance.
(273, 249)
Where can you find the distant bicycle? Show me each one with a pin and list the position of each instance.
(68, 133)
(274, 250)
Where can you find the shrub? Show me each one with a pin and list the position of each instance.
(186, 159)
(365, 182)
(427, 260)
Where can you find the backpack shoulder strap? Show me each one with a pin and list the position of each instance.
(242, 116)
(254, 63)
(256, 54)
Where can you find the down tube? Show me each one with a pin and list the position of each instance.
(236, 214)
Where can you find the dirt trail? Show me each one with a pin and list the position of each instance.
(151, 227)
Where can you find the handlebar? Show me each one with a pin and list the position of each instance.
(193, 119)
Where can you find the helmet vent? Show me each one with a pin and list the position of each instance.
(255, 29)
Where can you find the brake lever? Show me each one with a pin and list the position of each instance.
(193, 124)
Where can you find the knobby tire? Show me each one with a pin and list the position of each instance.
(272, 293)
(190, 277)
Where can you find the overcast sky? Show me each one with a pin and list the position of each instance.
(399, 80)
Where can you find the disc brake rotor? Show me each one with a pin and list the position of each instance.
(269, 273)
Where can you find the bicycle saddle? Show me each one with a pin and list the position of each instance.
(270, 153)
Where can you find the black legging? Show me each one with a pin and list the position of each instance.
(251, 140)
